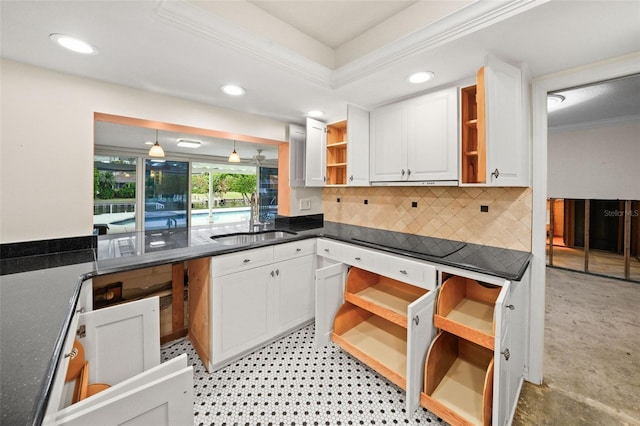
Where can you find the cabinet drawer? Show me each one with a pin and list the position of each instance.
(293, 250)
(329, 249)
(241, 261)
(409, 271)
(364, 258)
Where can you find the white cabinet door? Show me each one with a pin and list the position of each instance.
(297, 156)
(388, 147)
(242, 313)
(329, 283)
(502, 357)
(295, 292)
(506, 138)
(420, 333)
(432, 136)
(162, 395)
(357, 146)
(316, 155)
(121, 341)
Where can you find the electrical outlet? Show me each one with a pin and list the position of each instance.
(305, 204)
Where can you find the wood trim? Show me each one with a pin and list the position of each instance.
(587, 221)
(482, 126)
(138, 122)
(627, 240)
(199, 308)
(284, 191)
(177, 297)
(551, 205)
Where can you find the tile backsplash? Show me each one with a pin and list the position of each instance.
(453, 213)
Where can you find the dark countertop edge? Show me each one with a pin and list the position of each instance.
(174, 256)
(42, 398)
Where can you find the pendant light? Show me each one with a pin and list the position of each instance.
(234, 157)
(156, 150)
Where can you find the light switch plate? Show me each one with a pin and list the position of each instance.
(305, 204)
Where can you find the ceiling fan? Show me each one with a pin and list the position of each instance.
(258, 158)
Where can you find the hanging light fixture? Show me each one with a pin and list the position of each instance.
(234, 157)
(156, 150)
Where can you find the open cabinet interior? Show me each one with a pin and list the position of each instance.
(337, 153)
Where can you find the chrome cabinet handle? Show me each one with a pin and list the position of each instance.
(357, 258)
(408, 172)
(272, 273)
(416, 319)
(506, 354)
(277, 271)
(246, 261)
(402, 172)
(510, 307)
(351, 178)
(298, 250)
(403, 272)
(327, 250)
(72, 354)
(495, 173)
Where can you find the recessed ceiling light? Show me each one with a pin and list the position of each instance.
(554, 100)
(74, 44)
(315, 113)
(420, 77)
(188, 143)
(233, 90)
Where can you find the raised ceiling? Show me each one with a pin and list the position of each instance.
(295, 56)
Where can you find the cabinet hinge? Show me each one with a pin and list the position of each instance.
(81, 331)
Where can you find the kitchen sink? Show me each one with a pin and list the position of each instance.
(242, 238)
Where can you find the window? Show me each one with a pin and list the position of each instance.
(114, 194)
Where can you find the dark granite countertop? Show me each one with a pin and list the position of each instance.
(36, 305)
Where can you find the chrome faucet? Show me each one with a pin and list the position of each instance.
(254, 216)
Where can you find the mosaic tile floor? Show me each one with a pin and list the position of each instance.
(291, 383)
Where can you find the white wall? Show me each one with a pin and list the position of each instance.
(46, 144)
(600, 162)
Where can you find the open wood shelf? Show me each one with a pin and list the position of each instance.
(472, 132)
(466, 308)
(337, 165)
(337, 144)
(458, 382)
(383, 296)
(378, 343)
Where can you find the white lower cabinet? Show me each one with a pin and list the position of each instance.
(385, 323)
(475, 366)
(252, 306)
(242, 318)
(120, 346)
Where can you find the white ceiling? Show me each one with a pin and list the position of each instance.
(293, 56)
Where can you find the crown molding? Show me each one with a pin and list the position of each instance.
(476, 16)
(185, 15)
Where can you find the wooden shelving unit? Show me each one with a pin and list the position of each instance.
(458, 381)
(466, 308)
(337, 153)
(372, 323)
(472, 133)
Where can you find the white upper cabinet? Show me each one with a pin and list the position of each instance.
(297, 159)
(506, 135)
(357, 146)
(415, 142)
(494, 122)
(432, 136)
(315, 157)
(338, 153)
